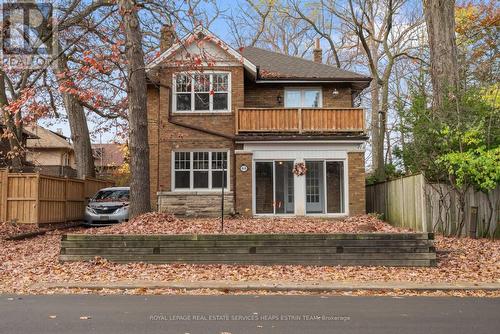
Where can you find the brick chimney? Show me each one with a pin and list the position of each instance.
(317, 52)
(167, 37)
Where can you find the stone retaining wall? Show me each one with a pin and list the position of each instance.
(195, 204)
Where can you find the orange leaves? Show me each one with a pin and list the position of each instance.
(470, 17)
(152, 223)
(25, 262)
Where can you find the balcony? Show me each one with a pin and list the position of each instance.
(296, 120)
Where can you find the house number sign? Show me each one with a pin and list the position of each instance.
(243, 168)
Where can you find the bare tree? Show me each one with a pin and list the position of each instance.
(136, 86)
(370, 33)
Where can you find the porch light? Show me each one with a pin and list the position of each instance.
(278, 98)
(335, 93)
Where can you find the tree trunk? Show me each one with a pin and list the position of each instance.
(137, 111)
(440, 21)
(74, 110)
(377, 139)
(78, 125)
(15, 139)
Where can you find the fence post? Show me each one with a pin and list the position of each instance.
(473, 221)
(299, 116)
(37, 200)
(423, 208)
(66, 199)
(5, 192)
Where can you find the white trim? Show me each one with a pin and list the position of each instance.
(345, 202)
(246, 63)
(193, 111)
(191, 188)
(302, 90)
(310, 81)
(211, 64)
(301, 142)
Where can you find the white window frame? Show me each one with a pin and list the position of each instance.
(193, 111)
(191, 171)
(302, 91)
(345, 186)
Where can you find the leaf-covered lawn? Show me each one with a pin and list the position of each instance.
(160, 223)
(25, 262)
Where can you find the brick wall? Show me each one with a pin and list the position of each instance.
(195, 204)
(356, 164)
(243, 184)
(165, 137)
(265, 95)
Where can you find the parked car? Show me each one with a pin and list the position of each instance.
(108, 206)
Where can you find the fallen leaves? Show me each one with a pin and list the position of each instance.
(8, 229)
(25, 262)
(162, 223)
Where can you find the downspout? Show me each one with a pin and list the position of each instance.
(158, 152)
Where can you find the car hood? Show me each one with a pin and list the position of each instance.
(97, 205)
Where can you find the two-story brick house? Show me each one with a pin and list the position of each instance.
(266, 113)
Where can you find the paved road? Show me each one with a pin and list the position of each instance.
(247, 314)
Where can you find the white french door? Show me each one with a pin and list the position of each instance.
(315, 187)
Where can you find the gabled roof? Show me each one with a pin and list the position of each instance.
(277, 66)
(46, 138)
(192, 36)
(267, 65)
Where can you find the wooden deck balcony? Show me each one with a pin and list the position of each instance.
(299, 120)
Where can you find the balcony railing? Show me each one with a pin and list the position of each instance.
(299, 120)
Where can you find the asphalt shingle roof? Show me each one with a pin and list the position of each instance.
(275, 65)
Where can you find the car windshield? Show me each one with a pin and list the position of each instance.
(112, 195)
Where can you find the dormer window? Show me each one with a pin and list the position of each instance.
(202, 92)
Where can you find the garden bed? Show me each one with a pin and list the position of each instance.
(161, 223)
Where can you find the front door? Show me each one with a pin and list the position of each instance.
(314, 187)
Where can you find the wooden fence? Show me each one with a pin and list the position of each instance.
(373, 249)
(413, 203)
(33, 198)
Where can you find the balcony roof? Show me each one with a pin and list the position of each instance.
(300, 137)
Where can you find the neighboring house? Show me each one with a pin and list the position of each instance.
(51, 152)
(265, 112)
(107, 159)
(5, 148)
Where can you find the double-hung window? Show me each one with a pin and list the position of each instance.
(202, 92)
(200, 170)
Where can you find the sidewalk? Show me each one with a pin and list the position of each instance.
(310, 286)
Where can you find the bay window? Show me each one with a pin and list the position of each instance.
(200, 170)
(202, 92)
